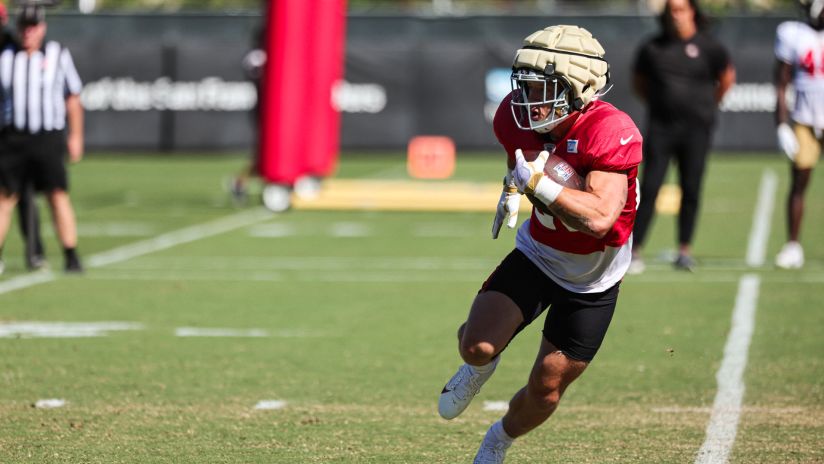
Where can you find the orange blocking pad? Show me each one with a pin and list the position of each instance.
(430, 157)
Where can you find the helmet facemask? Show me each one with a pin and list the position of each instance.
(540, 101)
(565, 69)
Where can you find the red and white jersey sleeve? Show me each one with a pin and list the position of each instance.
(602, 139)
(802, 47)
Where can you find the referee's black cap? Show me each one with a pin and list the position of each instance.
(30, 15)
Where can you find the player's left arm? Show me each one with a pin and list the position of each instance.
(595, 210)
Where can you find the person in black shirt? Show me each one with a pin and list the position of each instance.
(682, 75)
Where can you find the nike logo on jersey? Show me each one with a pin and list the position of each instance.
(625, 141)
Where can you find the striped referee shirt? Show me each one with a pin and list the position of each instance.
(35, 87)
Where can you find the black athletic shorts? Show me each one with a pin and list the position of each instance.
(37, 158)
(576, 323)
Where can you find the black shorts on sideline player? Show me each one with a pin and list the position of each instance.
(576, 323)
(39, 158)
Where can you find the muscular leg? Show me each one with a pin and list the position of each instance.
(7, 203)
(795, 201)
(532, 405)
(493, 320)
(64, 221)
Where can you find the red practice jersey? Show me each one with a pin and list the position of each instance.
(602, 139)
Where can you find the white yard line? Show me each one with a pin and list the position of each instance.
(37, 329)
(760, 232)
(220, 332)
(50, 403)
(161, 242)
(25, 280)
(267, 405)
(726, 409)
(499, 406)
(269, 277)
(178, 237)
(246, 333)
(389, 277)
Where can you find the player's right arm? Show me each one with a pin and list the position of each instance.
(595, 210)
(592, 211)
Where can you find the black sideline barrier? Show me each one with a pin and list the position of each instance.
(174, 82)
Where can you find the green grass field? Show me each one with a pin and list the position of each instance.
(349, 317)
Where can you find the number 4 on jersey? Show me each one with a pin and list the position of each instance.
(807, 63)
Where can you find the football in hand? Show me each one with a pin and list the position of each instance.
(559, 171)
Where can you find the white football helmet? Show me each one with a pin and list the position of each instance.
(560, 69)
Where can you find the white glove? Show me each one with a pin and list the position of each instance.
(508, 206)
(530, 179)
(787, 140)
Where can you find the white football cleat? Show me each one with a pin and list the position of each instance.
(491, 454)
(791, 256)
(493, 448)
(462, 387)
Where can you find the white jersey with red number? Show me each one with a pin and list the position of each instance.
(601, 139)
(801, 46)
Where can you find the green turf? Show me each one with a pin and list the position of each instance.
(361, 310)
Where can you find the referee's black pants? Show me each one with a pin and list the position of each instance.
(689, 143)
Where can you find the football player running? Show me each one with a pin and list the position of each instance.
(570, 258)
(799, 50)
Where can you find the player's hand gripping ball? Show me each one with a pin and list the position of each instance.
(557, 170)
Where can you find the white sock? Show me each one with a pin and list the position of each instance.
(486, 367)
(496, 434)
